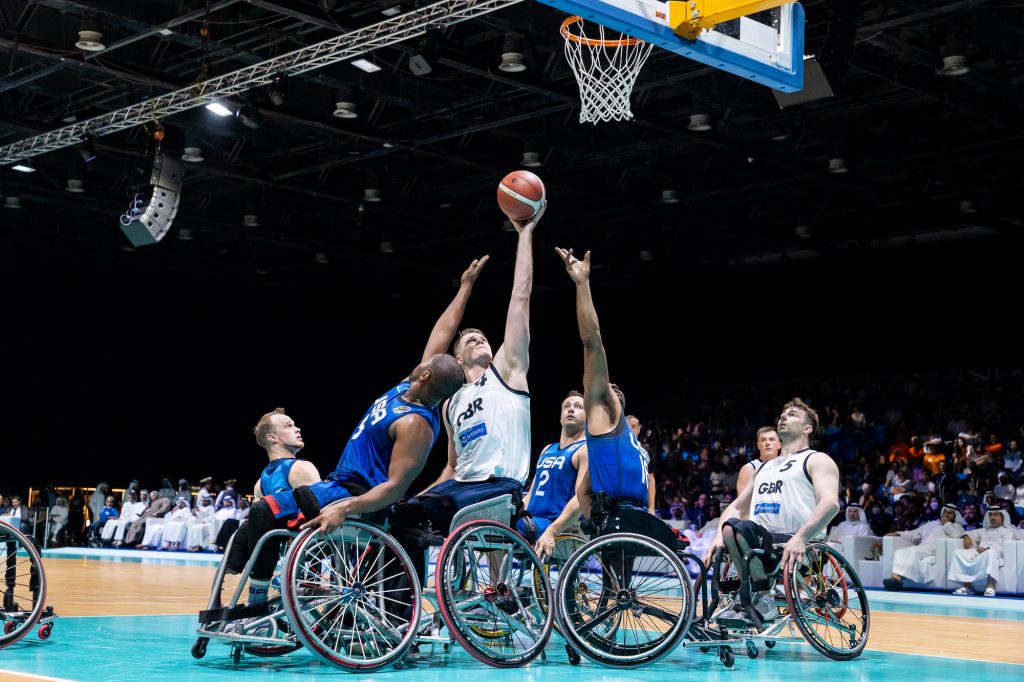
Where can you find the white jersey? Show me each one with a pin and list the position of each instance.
(783, 497)
(490, 424)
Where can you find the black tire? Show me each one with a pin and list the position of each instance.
(236, 654)
(574, 656)
(566, 545)
(606, 583)
(345, 596)
(726, 656)
(828, 603)
(24, 595)
(704, 649)
(769, 643)
(751, 650)
(494, 613)
(199, 648)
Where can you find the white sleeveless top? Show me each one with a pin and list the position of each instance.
(783, 496)
(490, 424)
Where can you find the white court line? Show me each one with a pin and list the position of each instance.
(32, 676)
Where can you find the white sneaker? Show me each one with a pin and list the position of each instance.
(990, 591)
(765, 605)
(249, 627)
(961, 591)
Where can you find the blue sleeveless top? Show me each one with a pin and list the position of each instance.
(367, 455)
(618, 464)
(554, 481)
(275, 477)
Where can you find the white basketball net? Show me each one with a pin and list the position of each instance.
(606, 68)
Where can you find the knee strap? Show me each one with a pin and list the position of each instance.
(308, 504)
(530, 526)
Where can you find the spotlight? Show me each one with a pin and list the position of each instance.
(11, 201)
(146, 224)
(87, 150)
(837, 166)
(24, 166)
(531, 160)
(423, 61)
(365, 65)
(967, 206)
(387, 247)
(699, 123)
(512, 52)
(802, 232)
(250, 116)
(219, 109)
(345, 110)
(371, 195)
(89, 38)
(954, 65)
(192, 155)
(75, 186)
(250, 220)
(276, 91)
(669, 196)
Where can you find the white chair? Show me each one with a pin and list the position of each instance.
(1019, 546)
(936, 573)
(1007, 576)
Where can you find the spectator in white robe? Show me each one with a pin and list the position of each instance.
(855, 525)
(243, 509)
(131, 510)
(58, 518)
(176, 526)
(200, 527)
(221, 518)
(228, 492)
(982, 555)
(701, 539)
(913, 563)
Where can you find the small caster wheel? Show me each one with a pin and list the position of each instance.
(769, 643)
(751, 650)
(44, 631)
(399, 665)
(199, 648)
(574, 657)
(9, 627)
(543, 655)
(704, 649)
(236, 654)
(726, 656)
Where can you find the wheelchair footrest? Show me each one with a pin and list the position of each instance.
(236, 613)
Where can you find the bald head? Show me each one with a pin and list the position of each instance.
(438, 378)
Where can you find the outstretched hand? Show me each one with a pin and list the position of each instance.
(579, 270)
(532, 221)
(473, 271)
(330, 518)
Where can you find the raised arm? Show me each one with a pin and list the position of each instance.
(601, 403)
(446, 326)
(513, 357)
(413, 438)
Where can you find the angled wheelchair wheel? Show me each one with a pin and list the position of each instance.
(565, 546)
(828, 603)
(352, 597)
(24, 585)
(488, 597)
(624, 600)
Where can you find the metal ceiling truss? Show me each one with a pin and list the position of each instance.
(337, 49)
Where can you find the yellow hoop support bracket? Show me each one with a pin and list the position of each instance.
(689, 17)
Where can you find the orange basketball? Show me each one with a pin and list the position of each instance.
(521, 195)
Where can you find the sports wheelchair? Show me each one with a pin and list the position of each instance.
(822, 602)
(353, 598)
(24, 588)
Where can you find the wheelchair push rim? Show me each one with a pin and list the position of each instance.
(828, 603)
(352, 597)
(639, 582)
(24, 582)
(487, 596)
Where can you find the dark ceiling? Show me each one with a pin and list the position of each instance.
(929, 157)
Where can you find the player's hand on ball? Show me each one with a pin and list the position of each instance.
(579, 270)
(473, 271)
(530, 223)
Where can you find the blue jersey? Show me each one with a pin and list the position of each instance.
(554, 481)
(618, 464)
(367, 456)
(275, 477)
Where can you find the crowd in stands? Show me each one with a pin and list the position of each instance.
(166, 517)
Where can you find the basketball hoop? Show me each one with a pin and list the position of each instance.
(606, 69)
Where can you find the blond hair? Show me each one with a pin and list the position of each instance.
(265, 427)
(765, 429)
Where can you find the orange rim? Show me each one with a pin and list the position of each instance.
(591, 42)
